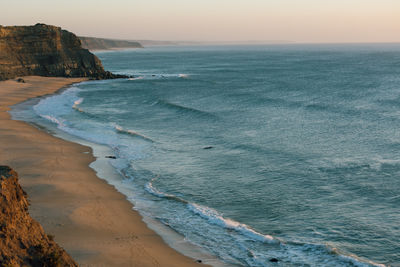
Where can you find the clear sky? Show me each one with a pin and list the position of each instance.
(215, 20)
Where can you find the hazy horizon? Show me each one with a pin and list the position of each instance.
(302, 21)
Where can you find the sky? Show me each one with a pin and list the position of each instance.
(303, 21)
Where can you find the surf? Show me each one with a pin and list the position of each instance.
(280, 250)
(133, 133)
(185, 109)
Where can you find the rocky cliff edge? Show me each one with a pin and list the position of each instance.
(46, 50)
(23, 241)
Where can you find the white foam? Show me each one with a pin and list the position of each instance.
(354, 260)
(292, 253)
(131, 132)
(53, 119)
(154, 191)
(150, 75)
(296, 253)
(215, 217)
(77, 102)
(136, 78)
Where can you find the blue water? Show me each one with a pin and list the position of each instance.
(303, 158)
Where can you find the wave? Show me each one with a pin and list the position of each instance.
(212, 215)
(121, 130)
(317, 107)
(76, 104)
(252, 253)
(215, 218)
(345, 164)
(184, 109)
(251, 98)
(151, 76)
(242, 234)
(76, 107)
(181, 75)
(166, 75)
(355, 261)
(84, 112)
(53, 119)
(154, 191)
(390, 102)
(256, 249)
(136, 78)
(387, 162)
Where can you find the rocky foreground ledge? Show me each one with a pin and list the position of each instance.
(46, 50)
(23, 241)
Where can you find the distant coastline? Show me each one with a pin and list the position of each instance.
(94, 44)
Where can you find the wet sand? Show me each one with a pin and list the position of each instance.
(88, 217)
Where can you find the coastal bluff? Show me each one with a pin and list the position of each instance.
(93, 43)
(23, 241)
(46, 50)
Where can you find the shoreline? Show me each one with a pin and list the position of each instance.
(94, 222)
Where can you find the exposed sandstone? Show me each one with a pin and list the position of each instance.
(46, 50)
(23, 241)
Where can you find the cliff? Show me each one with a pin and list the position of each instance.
(92, 43)
(46, 50)
(23, 241)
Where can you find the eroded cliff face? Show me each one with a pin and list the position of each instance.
(46, 50)
(23, 241)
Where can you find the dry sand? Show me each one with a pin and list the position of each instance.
(89, 218)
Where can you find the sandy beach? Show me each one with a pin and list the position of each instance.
(88, 217)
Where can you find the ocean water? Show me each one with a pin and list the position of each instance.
(254, 152)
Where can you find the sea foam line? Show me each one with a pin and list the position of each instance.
(133, 133)
(213, 216)
(136, 78)
(53, 119)
(76, 104)
(151, 76)
(288, 250)
(154, 191)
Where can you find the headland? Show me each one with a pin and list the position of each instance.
(95, 224)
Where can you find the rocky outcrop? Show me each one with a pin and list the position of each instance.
(23, 241)
(93, 43)
(46, 50)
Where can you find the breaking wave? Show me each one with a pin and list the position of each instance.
(185, 110)
(250, 253)
(121, 130)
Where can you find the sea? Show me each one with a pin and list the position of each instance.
(259, 155)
